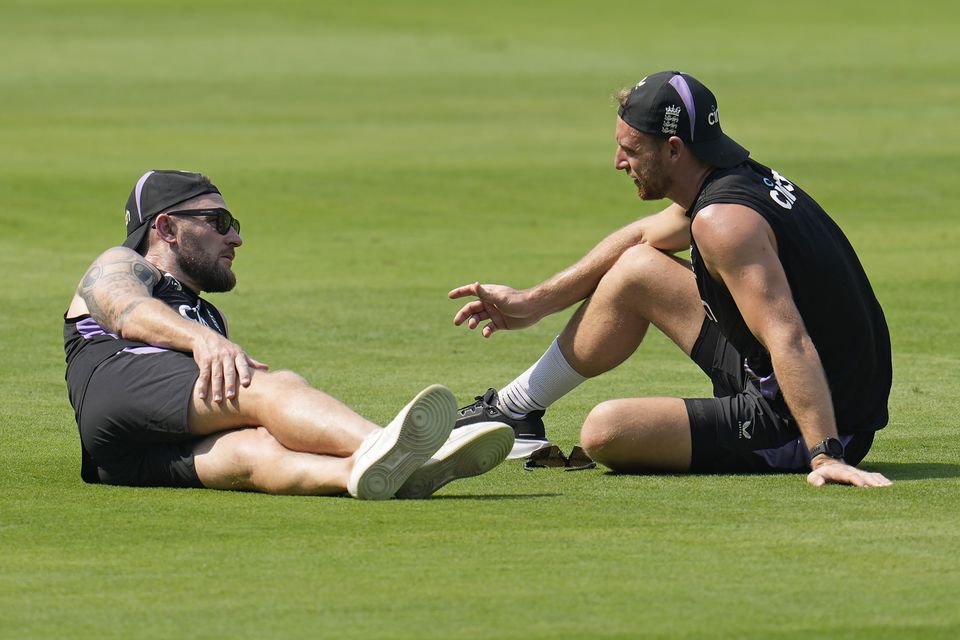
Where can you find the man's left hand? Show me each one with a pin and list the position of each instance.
(837, 472)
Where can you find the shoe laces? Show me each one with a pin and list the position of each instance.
(486, 401)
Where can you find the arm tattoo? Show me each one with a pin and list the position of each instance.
(91, 276)
(146, 274)
(117, 283)
(122, 316)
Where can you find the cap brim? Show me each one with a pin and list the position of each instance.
(723, 152)
(134, 239)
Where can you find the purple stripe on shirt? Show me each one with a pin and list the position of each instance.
(88, 328)
(686, 95)
(142, 350)
(769, 387)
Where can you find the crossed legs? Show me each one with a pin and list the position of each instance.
(279, 435)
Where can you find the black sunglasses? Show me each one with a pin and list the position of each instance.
(224, 222)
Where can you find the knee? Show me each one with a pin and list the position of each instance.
(254, 451)
(599, 430)
(638, 264)
(281, 379)
(268, 386)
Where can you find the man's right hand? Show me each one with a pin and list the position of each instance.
(504, 307)
(222, 364)
(838, 472)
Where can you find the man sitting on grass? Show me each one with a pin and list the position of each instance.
(164, 398)
(774, 306)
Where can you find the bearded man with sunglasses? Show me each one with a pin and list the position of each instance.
(163, 397)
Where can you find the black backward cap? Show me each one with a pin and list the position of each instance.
(158, 190)
(672, 103)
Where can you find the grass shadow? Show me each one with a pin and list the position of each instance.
(893, 470)
(503, 496)
(914, 470)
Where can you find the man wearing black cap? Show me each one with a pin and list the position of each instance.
(774, 306)
(164, 398)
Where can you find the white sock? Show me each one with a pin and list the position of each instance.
(549, 379)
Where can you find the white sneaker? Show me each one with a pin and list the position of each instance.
(386, 458)
(470, 451)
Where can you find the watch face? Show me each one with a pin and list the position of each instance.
(834, 448)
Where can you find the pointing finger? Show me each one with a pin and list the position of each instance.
(464, 290)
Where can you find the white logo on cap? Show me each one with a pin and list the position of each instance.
(640, 84)
(714, 117)
(127, 211)
(671, 119)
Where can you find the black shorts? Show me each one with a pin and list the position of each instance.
(739, 430)
(133, 421)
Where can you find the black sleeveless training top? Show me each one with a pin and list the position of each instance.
(829, 286)
(87, 345)
(84, 339)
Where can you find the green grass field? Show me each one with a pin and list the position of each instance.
(380, 153)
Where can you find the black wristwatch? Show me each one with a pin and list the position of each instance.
(830, 447)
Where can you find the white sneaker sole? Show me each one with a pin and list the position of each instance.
(524, 448)
(386, 459)
(470, 451)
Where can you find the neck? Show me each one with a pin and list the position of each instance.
(687, 184)
(167, 263)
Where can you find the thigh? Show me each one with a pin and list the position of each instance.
(227, 460)
(638, 434)
(741, 433)
(658, 288)
(252, 459)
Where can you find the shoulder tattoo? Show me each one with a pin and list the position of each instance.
(92, 275)
(145, 273)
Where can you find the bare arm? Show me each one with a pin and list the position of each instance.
(739, 249)
(116, 290)
(508, 308)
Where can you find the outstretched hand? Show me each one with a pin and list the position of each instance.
(504, 307)
(222, 364)
(842, 473)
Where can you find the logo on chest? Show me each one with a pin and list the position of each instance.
(193, 313)
(781, 190)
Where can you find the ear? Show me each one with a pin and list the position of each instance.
(166, 228)
(676, 147)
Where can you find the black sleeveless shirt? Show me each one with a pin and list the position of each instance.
(87, 345)
(829, 287)
(82, 335)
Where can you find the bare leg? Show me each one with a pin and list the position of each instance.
(300, 417)
(253, 460)
(645, 286)
(639, 434)
(256, 459)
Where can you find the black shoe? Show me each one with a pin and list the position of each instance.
(529, 431)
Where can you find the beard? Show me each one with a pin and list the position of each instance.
(207, 271)
(652, 182)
